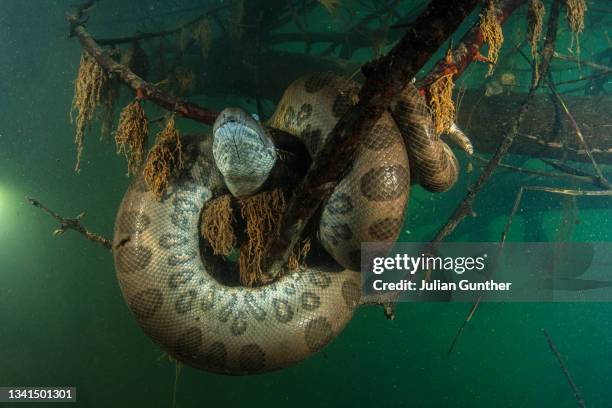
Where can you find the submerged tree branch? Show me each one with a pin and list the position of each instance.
(566, 372)
(385, 79)
(147, 90)
(73, 224)
(465, 207)
(469, 46)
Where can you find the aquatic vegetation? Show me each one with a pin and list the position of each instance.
(575, 18)
(164, 158)
(440, 99)
(492, 34)
(298, 257)
(217, 225)
(262, 213)
(535, 25)
(89, 89)
(131, 134)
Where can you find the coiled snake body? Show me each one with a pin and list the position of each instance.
(170, 286)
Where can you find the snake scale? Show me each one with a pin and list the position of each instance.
(171, 286)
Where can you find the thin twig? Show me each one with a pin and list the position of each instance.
(565, 175)
(73, 224)
(465, 207)
(571, 382)
(589, 64)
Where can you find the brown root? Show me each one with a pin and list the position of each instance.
(575, 18)
(492, 34)
(262, 213)
(164, 158)
(131, 135)
(535, 25)
(89, 88)
(216, 227)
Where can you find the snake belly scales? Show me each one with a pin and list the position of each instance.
(170, 288)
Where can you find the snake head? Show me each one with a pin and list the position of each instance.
(243, 151)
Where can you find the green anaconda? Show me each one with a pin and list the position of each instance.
(171, 287)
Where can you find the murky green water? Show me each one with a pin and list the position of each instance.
(63, 320)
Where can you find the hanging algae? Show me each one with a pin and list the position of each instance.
(164, 158)
(216, 226)
(298, 257)
(202, 34)
(131, 135)
(89, 88)
(262, 213)
(492, 34)
(535, 25)
(575, 18)
(440, 97)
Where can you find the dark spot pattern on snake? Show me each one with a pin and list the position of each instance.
(145, 304)
(228, 308)
(133, 258)
(385, 183)
(181, 258)
(350, 293)
(216, 356)
(189, 342)
(207, 301)
(173, 240)
(238, 326)
(339, 203)
(252, 358)
(132, 222)
(303, 114)
(180, 278)
(321, 280)
(310, 301)
(254, 308)
(385, 228)
(318, 333)
(288, 116)
(185, 301)
(282, 310)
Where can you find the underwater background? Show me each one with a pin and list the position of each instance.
(63, 321)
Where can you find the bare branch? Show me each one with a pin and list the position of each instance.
(73, 224)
